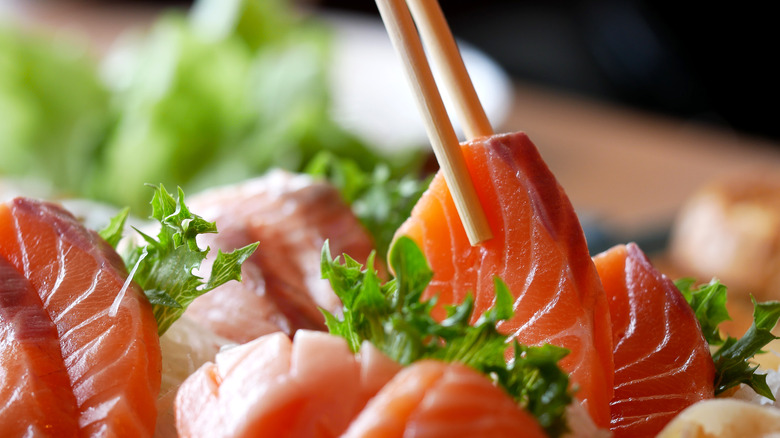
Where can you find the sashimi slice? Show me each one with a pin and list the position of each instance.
(282, 289)
(437, 399)
(538, 249)
(310, 387)
(99, 353)
(35, 396)
(662, 362)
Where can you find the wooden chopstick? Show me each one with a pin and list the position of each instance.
(446, 58)
(446, 147)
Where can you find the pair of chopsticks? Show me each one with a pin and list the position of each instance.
(446, 56)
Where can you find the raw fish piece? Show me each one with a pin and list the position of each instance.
(291, 216)
(662, 362)
(310, 387)
(431, 399)
(538, 249)
(35, 395)
(78, 342)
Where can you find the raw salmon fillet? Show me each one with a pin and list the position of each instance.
(282, 288)
(436, 399)
(78, 355)
(538, 249)
(310, 387)
(662, 362)
(29, 339)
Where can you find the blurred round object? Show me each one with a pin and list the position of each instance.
(371, 95)
(730, 230)
(724, 418)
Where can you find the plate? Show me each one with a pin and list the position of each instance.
(372, 97)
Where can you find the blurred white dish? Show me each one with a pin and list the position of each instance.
(371, 95)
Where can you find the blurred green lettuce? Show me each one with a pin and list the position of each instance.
(218, 96)
(214, 96)
(53, 109)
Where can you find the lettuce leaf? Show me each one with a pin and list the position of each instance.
(218, 96)
(53, 109)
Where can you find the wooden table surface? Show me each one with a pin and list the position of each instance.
(632, 170)
(627, 170)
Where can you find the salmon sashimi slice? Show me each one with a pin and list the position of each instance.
(538, 249)
(662, 362)
(87, 343)
(436, 399)
(312, 386)
(282, 289)
(31, 364)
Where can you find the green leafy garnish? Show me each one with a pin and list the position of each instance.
(393, 317)
(208, 97)
(217, 96)
(732, 358)
(380, 200)
(164, 266)
(50, 131)
(709, 305)
(542, 386)
(112, 233)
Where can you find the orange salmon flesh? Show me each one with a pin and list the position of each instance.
(80, 354)
(538, 249)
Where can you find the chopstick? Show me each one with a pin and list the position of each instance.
(446, 147)
(446, 58)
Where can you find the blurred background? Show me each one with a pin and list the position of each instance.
(658, 118)
(633, 104)
(715, 64)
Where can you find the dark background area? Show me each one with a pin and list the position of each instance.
(710, 63)
(713, 62)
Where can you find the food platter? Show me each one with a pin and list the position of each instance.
(581, 330)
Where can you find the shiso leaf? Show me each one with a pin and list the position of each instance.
(394, 317)
(112, 233)
(165, 266)
(732, 358)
